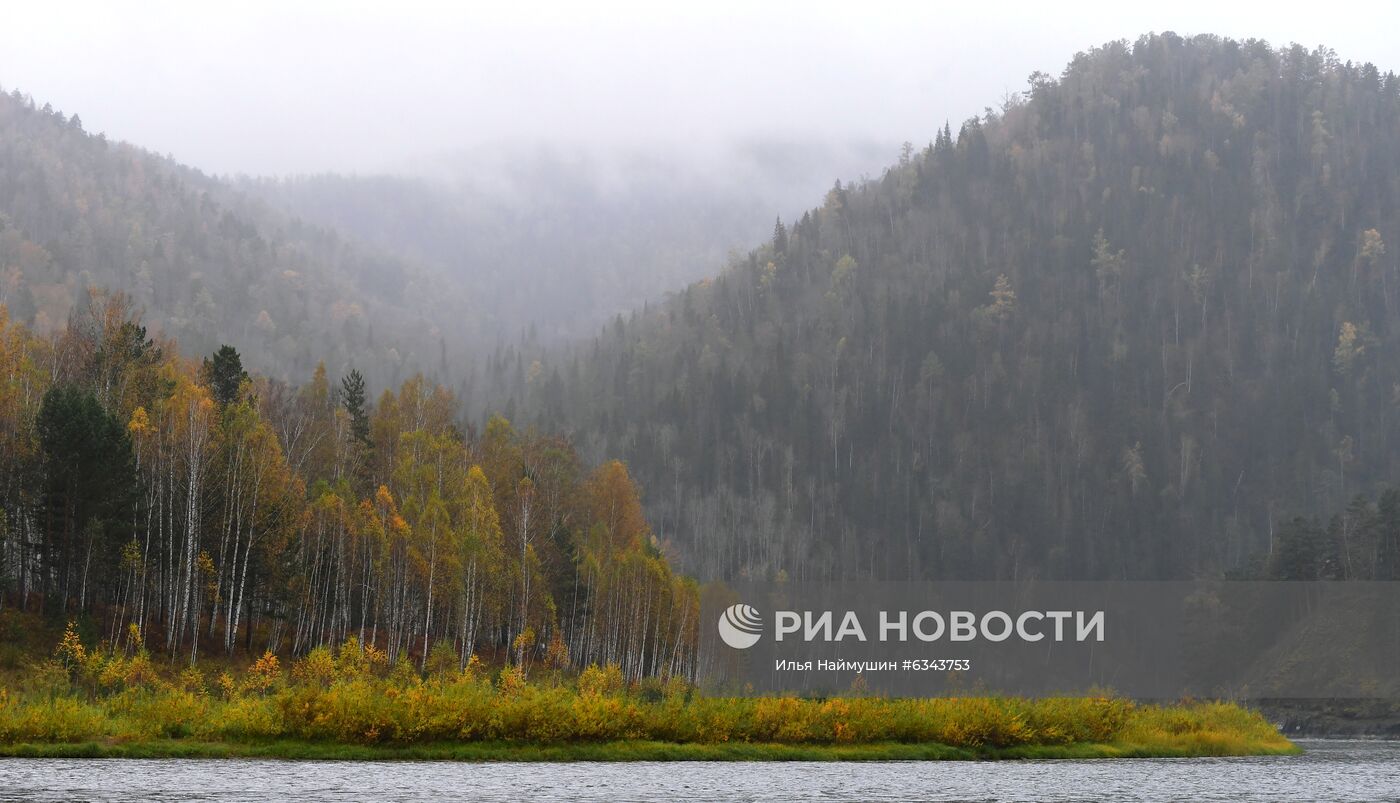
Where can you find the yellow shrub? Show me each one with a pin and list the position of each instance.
(475, 670)
(602, 718)
(600, 680)
(226, 685)
(317, 668)
(442, 659)
(170, 714)
(192, 680)
(139, 672)
(510, 681)
(62, 719)
(263, 675)
(243, 719)
(70, 651)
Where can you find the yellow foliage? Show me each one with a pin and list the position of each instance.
(70, 651)
(596, 680)
(134, 637)
(192, 680)
(263, 674)
(318, 667)
(511, 680)
(474, 670)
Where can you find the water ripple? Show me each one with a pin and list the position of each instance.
(1332, 770)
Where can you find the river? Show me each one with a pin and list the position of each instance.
(1331, 770)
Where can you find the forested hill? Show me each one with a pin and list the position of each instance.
(561, 262)
(560, 240)
(1118, 329)
(207, 264)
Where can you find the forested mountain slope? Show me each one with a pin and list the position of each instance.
(559, 240)
(1118, 329)
(207, 264)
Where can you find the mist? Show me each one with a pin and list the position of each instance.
(359, 88)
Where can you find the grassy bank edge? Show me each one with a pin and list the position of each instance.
(635, 750)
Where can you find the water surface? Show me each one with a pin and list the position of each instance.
(1331, 770)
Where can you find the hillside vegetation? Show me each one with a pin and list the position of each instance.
(189, 507)
(1117, 329)
(206, 263)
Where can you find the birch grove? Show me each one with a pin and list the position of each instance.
(395, 525)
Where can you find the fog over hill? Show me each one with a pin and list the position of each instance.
(1119, 329)
(206, 263)
(557, 241)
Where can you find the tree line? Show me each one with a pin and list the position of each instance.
(1360, 542)
(194, 507)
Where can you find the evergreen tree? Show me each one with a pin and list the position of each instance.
(225, 375)
(352, 399)
(89, 488)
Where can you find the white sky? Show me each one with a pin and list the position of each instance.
(283, 88)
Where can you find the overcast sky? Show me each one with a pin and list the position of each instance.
(253, 87)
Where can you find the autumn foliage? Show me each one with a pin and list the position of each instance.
(190, 509)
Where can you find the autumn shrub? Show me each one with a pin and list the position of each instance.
(192, 680)
(780, 719)
(442, 659)
(534, 714)
(1063, 720)
(166, 713)
(138, 671)
(351, 660)
(475, 670)
(649, 690)
(318, 668)
(353, 696)
(353, 711)
(404, 674)
(243, 719)
(459, 709)
(225, 686)
(70, 653)
(1201, 727)
(988, 721)
(705, 720)
(600, 718)
(511, 681)
(263, 675)
(676, 688)
(600, 680)
(57, 719)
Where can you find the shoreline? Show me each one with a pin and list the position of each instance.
(635, 750)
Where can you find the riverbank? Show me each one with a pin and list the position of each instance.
(633, 751)
(352, 704)
(1334, 719)
(465, 720)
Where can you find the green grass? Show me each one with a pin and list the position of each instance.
(629, 750)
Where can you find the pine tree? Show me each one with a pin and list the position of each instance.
(224, 373)
(352, 398)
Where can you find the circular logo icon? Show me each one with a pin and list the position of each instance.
(740, 626)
